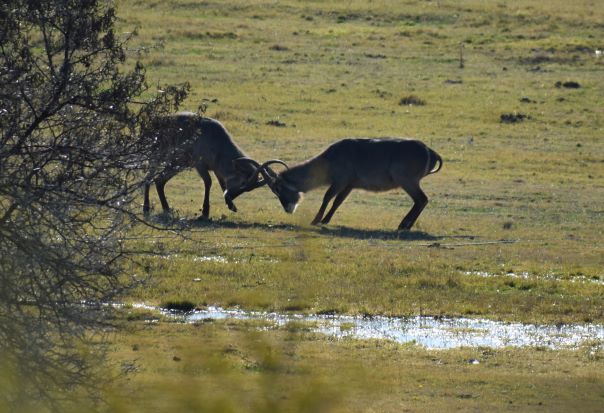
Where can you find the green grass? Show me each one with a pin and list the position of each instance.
(524, 197)
(222, 367)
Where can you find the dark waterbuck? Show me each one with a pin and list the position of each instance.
(370, 164)
(188, 140)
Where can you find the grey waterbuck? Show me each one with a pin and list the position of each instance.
(371, 164)
(188, 140)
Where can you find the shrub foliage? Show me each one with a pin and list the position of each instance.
(70, 162)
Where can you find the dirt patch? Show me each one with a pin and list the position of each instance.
(514, 117)
(375, 56)
(179, 306)
(568, 85)
(411, 100)
(279, 48)
(199, 35)
(277, 123)
(550, 55)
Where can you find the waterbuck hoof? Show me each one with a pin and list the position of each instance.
(232, 207)
(166, 212)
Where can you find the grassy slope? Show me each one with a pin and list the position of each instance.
(329, 70)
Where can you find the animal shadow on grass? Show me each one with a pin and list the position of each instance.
(339, 231)
(357, 233)
(225, 223)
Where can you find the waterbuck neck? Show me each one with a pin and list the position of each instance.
(308, 175)
(223, 162)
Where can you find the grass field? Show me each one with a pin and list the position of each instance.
(513, 198)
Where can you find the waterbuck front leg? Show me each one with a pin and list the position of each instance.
(227, 200)
(231, 193)
(336, 203)
(146, 187)
(331, 192)
(203, 172)
(420, 200)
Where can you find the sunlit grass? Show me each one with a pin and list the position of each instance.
(511, 198)
(221, 366)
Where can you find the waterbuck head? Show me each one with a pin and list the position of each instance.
(243, 174)
(288, 194)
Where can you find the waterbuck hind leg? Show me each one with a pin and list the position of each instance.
(146, 207)
(160, 183)
(207, 182)
(420, 200)
(336, 204)
(159, 186)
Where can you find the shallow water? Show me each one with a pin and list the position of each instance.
(195, 258)
(527, 276)
(428, 332)
(211, 258)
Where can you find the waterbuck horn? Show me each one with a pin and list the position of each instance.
(268, 179)
(266, 164)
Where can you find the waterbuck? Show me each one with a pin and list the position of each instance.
(188, 140)
(371, 164)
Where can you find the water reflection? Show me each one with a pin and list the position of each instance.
(428, 332)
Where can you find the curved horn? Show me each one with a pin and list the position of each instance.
(279, 161)
(266, 164)
(254, 163)
(259, 168)
(248, 160)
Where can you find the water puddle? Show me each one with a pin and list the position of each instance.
(428, 332)
(213, 258)
(194, 258)
(527, 276)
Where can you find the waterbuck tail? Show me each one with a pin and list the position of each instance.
(434, 159)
